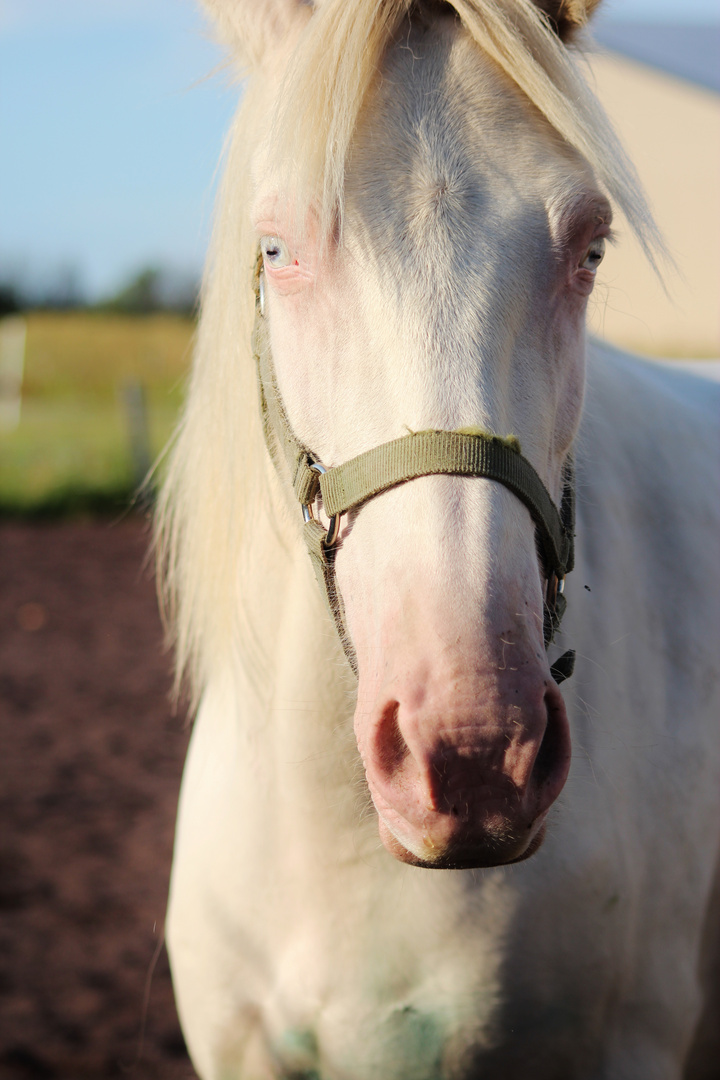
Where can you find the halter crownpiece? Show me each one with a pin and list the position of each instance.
(423, 453)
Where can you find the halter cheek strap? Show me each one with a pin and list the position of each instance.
(467, 452)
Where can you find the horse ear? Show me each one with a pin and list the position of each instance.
(254, 27)
(567, 16)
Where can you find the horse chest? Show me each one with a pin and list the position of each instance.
(291, 964)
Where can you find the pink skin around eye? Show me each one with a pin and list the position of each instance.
(286, 279)
(575, 224)
(583, 280)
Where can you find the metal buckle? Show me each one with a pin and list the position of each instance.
(307, 513)
(261, 292)
(555, 587)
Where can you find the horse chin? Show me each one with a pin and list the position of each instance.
(481, 853)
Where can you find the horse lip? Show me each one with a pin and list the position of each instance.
(460, 855)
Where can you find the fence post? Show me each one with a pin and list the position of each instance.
(134, 400)
(13, 332)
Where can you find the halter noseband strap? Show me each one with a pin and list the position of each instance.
(466, 452)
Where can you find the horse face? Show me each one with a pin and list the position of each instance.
(455, 298)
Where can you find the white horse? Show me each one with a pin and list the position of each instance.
(430, 186)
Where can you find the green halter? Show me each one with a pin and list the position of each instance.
(423, 453)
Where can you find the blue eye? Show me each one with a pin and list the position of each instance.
(275, 252)
(594, 255)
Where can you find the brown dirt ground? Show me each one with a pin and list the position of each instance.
(89, 773)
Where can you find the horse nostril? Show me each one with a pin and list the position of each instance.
(553, 751)
(390, 744)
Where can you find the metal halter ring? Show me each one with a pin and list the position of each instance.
(261, 292)
(555, 587)
(307, 513)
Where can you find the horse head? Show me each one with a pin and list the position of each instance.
(441, 286)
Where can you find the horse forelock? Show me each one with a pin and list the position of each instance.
(336, 61)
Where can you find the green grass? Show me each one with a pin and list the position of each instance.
(72, 450)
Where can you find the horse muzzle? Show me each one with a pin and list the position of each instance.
(463, 772)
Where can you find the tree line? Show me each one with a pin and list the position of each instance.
(152, 289)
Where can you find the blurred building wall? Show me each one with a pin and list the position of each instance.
(671, 130)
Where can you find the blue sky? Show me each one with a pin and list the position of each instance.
(703, 11)
(111, 132)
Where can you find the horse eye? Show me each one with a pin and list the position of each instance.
(275, 251)
(594, 255)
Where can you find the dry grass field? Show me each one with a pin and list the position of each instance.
(74, 352)
(74, 443)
